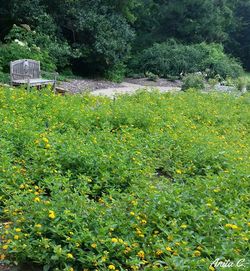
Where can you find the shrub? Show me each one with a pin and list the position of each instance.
(20, 50)
(116, 73)
(195, 81)
(4, 78)
(241, 83)
(172, 59)
(143, 182)
(151, 76)
(52, 52)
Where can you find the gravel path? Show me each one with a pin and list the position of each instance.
(110, 89)
(128, 88)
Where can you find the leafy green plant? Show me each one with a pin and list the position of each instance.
(58, 51)
(116, 73)
(173, 59)
(151, 76)
(193, 81)
(20, 50)
(241, 83)
(142, 182)
(212, 82)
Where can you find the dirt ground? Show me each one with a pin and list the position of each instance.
(83, 85)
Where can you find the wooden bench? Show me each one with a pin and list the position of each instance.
(28, 72)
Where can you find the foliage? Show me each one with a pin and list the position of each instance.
(4, 77)
(239, 40)
(99, 30)
(151, 76)
(193, 81)
(190, 21)
(116, 73)
(248, 82)
(59, 52)
(149, 181)
(173, 59)
(94, 37)
(20, 50)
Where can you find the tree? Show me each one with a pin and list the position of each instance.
(239, 42)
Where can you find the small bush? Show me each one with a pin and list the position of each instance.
(241, 83)
(151, 76)
(172, 59)
(53, 53)
(4, 78)
(116, 73)
(194, 81)
(20, 50)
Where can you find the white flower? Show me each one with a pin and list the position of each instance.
(20, 42)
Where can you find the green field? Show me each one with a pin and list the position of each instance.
(144, 182)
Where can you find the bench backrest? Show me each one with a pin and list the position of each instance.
(24, 67)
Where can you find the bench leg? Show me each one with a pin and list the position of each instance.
(28, 86)
(54, 87)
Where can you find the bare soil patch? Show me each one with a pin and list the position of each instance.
(83, 85)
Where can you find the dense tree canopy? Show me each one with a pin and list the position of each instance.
(97, 36)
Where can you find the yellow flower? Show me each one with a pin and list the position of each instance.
(5, 247)
(70, 256)
(45, 140)
(2, 257)
(144, 221)
(232, 226)
(169, 249)
(248, 224)
(132, 213)
(197, 253)
(38, 226)
(178, 171)
(94, 245)
(120, 241)
(52, 214)
(22, 186)
(183, 226)
(134, 202)
(211, 268)
(71, 269)
(114, 240)
(16, 237)
(127, 250)
(159, 252)
(18, 230)
(111, 267)
(175, 253)
(170, 238)
(141, 254)
(37, 199)
(104, 258)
